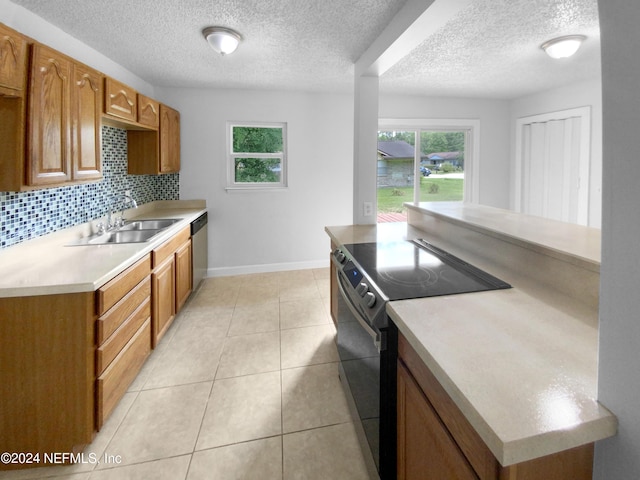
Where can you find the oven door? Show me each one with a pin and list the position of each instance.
(367, 373)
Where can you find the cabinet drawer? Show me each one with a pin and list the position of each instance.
(111, 292)
(116, 316)
(148, 111)
(115, 380)
(108, 350)
(120, 100)
(170, 246)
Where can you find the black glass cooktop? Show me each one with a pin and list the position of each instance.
(414, 269)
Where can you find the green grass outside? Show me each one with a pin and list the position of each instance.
(390, 199)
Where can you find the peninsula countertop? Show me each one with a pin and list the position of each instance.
(521, 364)
(48, 265)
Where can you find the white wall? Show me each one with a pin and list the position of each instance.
(619, 360)
(588, 93)
(268, 230)
(494, 164)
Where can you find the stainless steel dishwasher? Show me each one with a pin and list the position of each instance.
(200, 249)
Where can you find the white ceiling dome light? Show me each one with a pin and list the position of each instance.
(563, 47)
(222, 40)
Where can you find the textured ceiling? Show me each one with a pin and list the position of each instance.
(491, 49)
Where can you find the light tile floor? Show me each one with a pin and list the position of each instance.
(243, 386)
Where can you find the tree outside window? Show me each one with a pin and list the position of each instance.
(257, 157)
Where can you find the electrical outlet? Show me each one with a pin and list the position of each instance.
(368, 209)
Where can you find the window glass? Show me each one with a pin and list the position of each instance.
(257, 158)
(418, 165)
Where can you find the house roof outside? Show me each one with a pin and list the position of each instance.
(444, 156)
(393, 150)
(396, 149)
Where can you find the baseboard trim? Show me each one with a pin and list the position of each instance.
(267, 268)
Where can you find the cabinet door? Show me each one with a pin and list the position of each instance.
(163, 298)
(120, 100)
(13, 78)
(86, 111)
(49, 150)
(148, 111)
(183, 274)
(426, 450)
(169, 140)
(13, 62)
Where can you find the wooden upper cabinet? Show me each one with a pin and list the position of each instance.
(154, 152)
(49, 159)
(86, 110)
(120, 100)
(148, 111)
(13, 108)
(13, 62)
(169, 140)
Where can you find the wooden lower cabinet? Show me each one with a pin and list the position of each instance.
(435, 440)
(164, 300)
(47, 400)
(66, 360)
(123, 334)
(184, 274)
(115, 380)
(428, 450)
(171, 281)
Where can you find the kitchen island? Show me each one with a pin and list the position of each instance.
(519, 364)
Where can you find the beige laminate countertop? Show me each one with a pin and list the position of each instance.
(521, 364)
(560, 239)
(47, 265)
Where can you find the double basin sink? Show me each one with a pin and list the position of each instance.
(133, 231)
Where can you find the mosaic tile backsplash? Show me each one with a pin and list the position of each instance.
(25, 215)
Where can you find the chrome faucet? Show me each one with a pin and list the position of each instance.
(112, 201)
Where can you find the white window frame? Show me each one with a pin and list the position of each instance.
(471, 193)
(232, 156)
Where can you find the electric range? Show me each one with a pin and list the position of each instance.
(369, 275)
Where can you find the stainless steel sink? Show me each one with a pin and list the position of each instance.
(127, 236)
(149, 224)
(134, 231)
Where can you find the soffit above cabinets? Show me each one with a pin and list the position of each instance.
(489, 49)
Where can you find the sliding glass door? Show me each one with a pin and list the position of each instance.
(419, 165)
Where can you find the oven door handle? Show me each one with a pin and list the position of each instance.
(377, 338)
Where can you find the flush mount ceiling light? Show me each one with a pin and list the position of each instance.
(563, 47)
(222, 40)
